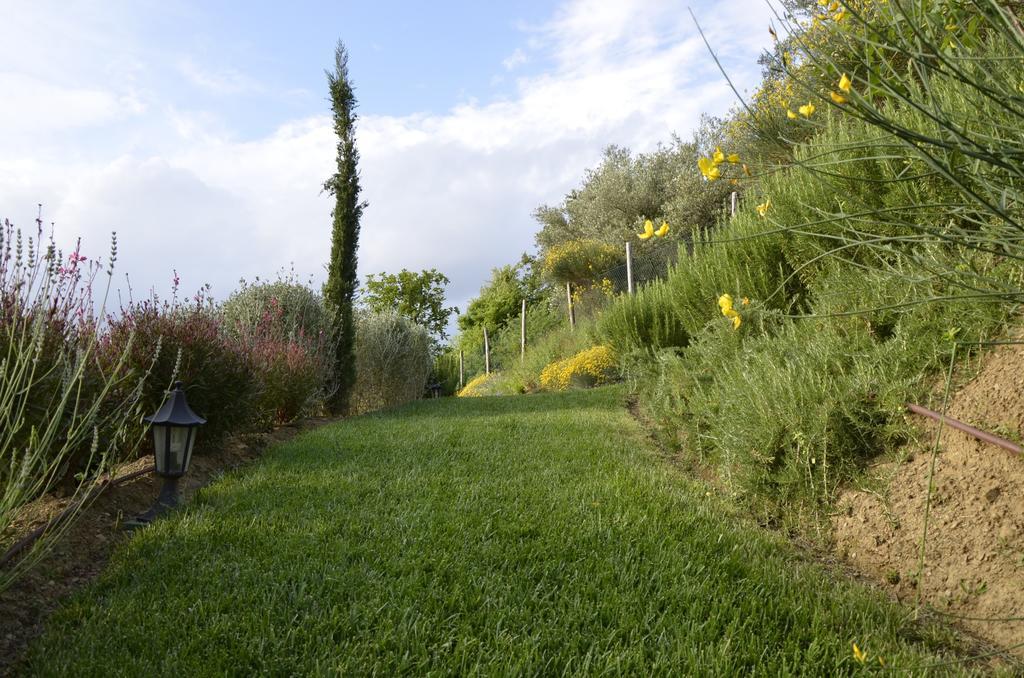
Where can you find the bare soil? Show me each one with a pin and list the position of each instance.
(83, 552)
(974, 552)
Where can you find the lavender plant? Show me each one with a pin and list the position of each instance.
(64, 411)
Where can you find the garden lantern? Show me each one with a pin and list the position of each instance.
(174, 435)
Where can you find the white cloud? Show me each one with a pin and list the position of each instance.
(514, 60)
(452, 191)
(33, 106)
(222, 81)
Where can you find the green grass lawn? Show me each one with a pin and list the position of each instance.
(530, 535)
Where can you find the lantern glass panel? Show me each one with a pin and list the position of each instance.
(173, 447)
(179, 441)
(190, 432)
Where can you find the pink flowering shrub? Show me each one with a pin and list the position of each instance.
(292, 367)
(172, 341)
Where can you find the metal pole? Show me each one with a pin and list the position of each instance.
(461, 370)
(572, 313)
(487, 353)
(522, 333)
(732, 203)
(629, 267)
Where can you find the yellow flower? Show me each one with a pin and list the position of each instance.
(859, 654)
(840, 15)
(725, 303)
(833, 6)
(837, 97)
(709, 168)
(746, 301)
(762, 209)
(663, 231)
(733, 158)
(845, 83)
(718, 158)
(648, 230)
(807, 110)
(790, 114)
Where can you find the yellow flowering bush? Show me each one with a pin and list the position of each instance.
(592, 367)
(579, 261)
(475, 386)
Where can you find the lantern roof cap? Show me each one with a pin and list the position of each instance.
(175, 411)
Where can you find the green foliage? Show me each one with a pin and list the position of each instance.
(548, 337)
(501, 297)
(644, 321)
(624, 190)
(341, 285)
(894, 227)
(393, 361)
(565, 546)
(417, 296)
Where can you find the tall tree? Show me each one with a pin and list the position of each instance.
(417, 296)
(341, 285)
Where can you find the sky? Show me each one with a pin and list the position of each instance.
(200, 132)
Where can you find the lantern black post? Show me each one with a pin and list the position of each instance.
(174, 434)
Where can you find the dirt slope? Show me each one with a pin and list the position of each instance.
(974, 556)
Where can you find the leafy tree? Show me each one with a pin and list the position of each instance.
(624, 190)
(417, 296)
(501, 297)
(340, 289)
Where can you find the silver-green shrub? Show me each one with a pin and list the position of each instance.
(393, 361)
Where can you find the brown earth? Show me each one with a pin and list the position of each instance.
(85, 549)
(974, 556)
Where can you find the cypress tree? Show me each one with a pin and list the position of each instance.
(341, 285)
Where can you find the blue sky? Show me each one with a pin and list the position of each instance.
(200, 131)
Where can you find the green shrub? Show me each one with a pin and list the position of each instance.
(298, 308)
(644, 321)
(393, 361)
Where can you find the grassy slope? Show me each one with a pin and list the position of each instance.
(525, 535)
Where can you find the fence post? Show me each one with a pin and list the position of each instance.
(629, 267)
(487, 354)
(461, 370)
(732, 203)
(572, 312)
(522, 334)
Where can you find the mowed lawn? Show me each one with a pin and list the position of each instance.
(530, 535)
